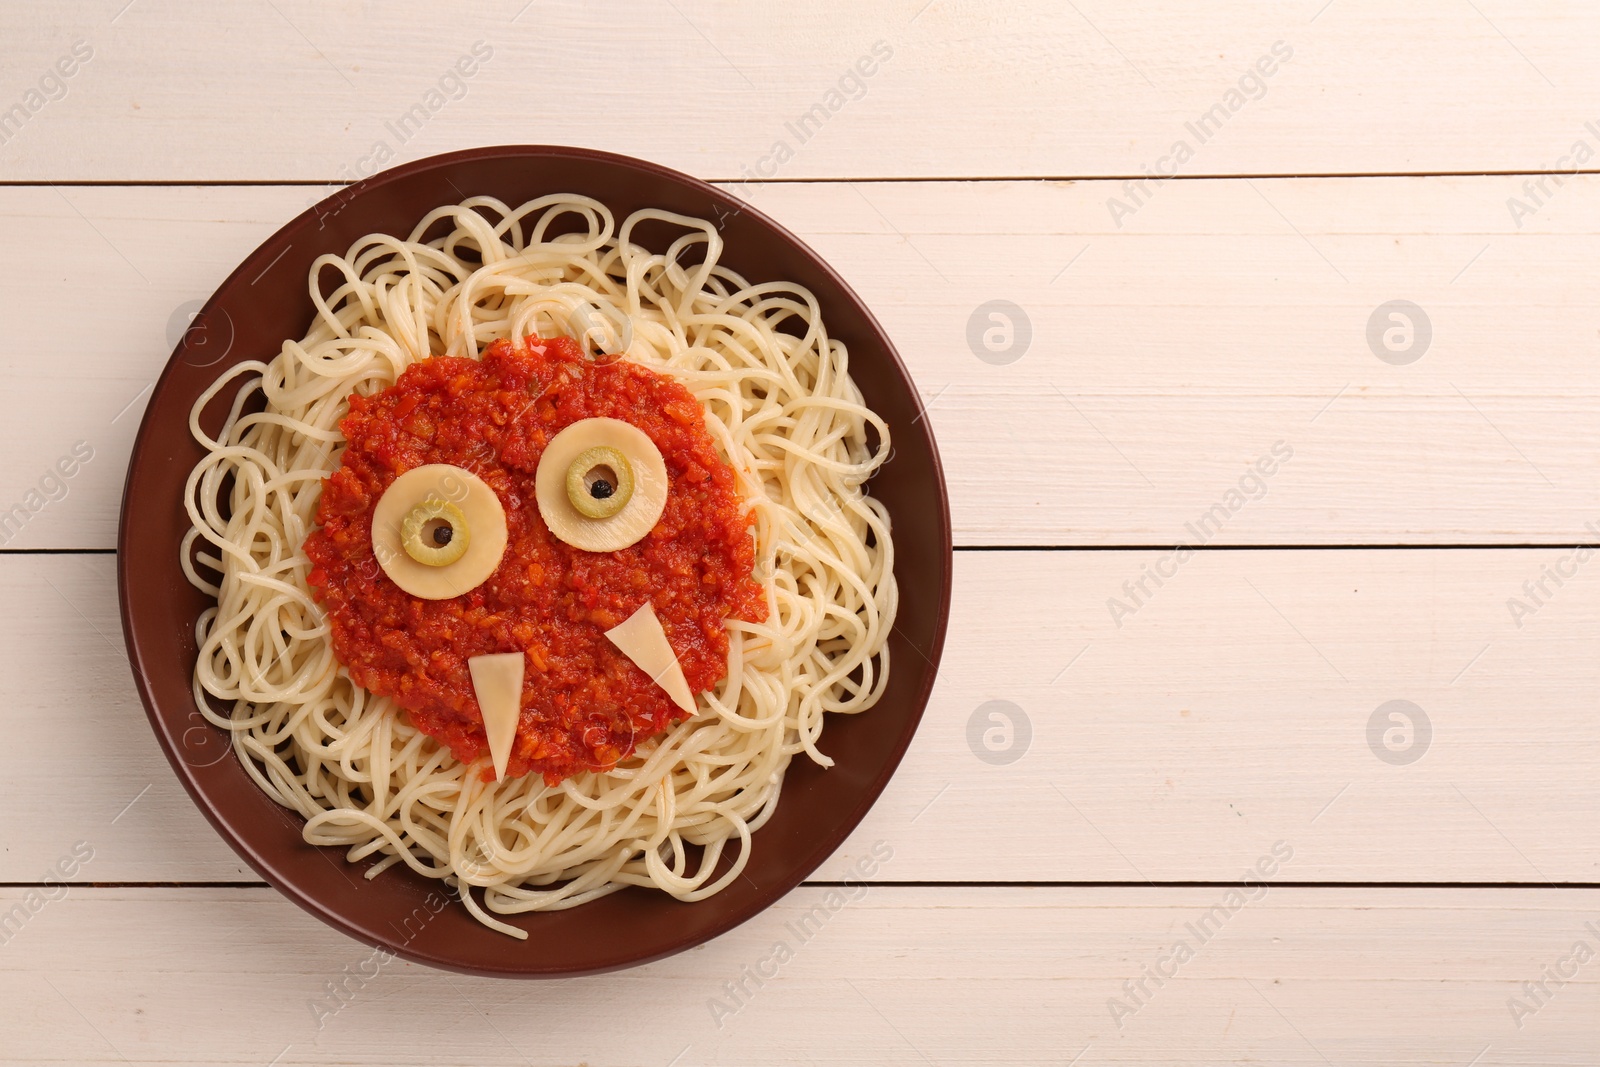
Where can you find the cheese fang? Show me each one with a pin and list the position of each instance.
(642, 640)
(497, 683)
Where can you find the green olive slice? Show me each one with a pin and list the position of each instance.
(600, 482)
(435, 533)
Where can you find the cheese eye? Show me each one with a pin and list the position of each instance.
(601, 485)
(439, 531)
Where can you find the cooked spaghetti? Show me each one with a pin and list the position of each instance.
(778, 402)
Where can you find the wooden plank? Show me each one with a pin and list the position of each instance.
(1165, 356)
(1232, 706)
(1034, 88)
(901, 976)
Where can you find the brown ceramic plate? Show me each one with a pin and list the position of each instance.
(263, 302)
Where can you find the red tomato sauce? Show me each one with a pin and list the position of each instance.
(584, 704)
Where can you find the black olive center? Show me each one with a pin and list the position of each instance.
(601, 489)
(443, 534)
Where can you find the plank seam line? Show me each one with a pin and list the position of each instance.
(201, 183)
(1463, 546)
(940, 884)
(58, 551)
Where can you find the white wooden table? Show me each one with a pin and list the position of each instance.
(1161, 742)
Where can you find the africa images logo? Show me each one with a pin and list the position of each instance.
(1251, 85)
(1252, 486)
